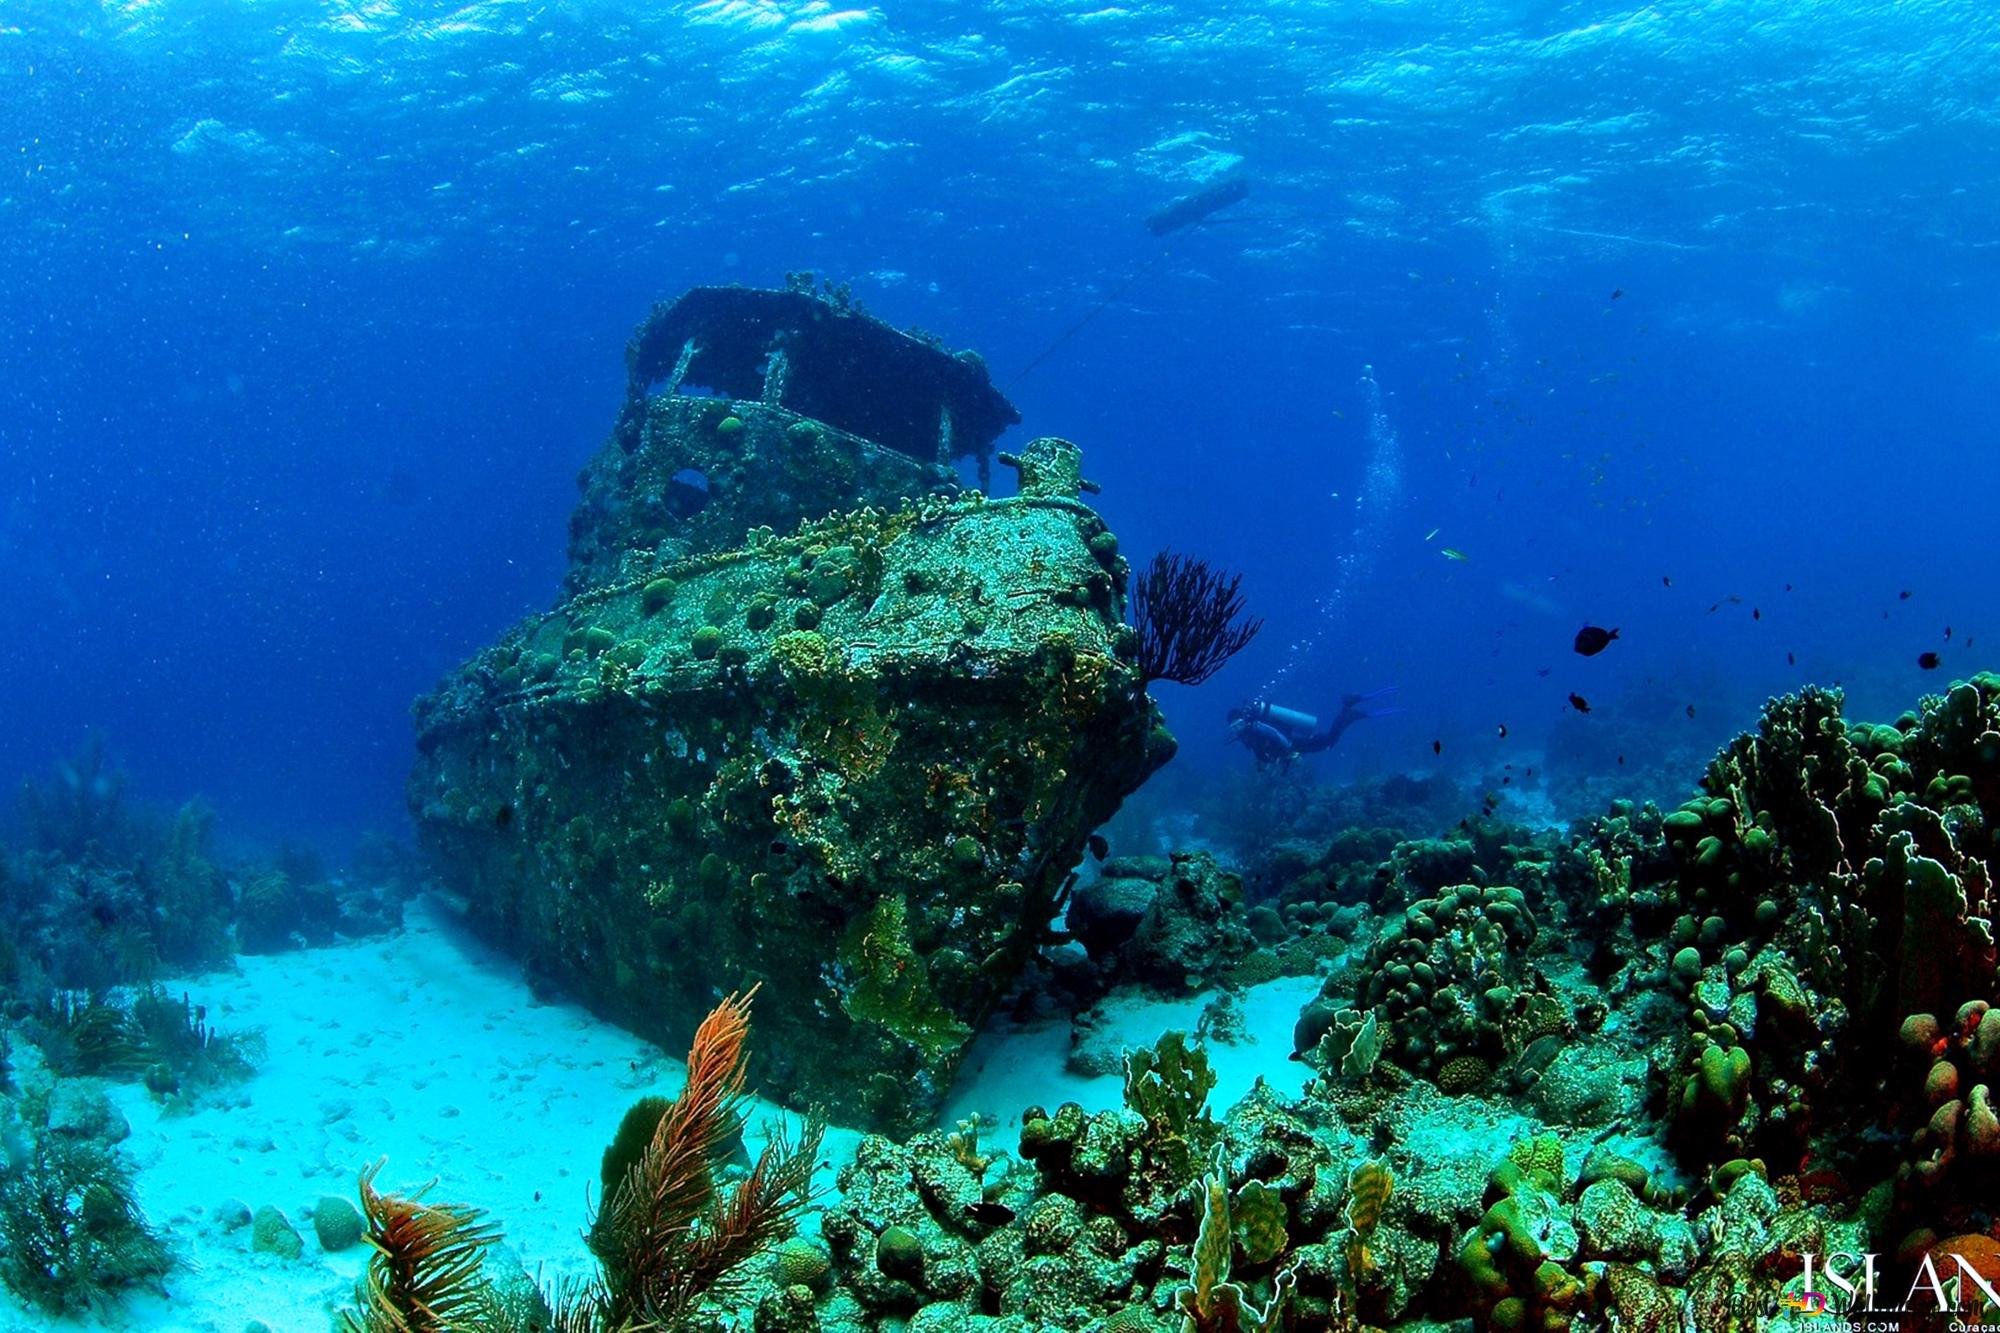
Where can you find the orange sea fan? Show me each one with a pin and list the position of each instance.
(666, 1235)
(424, 1275)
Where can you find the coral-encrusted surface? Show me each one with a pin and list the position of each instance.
(695, 474)
(1626, 1078)
(855, 764)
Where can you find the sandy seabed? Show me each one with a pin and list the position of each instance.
(424, 1047)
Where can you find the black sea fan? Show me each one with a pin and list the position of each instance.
(1190, 618)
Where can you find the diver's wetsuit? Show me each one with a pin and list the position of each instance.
(1276, 734)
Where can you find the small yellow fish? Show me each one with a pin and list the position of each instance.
(1452, 553)
(1432, 533)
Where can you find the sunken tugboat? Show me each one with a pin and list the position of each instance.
(808, 715)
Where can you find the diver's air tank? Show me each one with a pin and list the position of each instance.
(1289, 718)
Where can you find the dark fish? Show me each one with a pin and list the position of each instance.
(1621, 761)
(1617, 292)
(1666, 582)
(1099, 848)
(1788, 587)
(991, 1214)
(1187, 211)
(1690, 710)
(1791, 659)
(1903, 596)
(1503, 731)
(1756, 614)
(1928, 661)
(1437, 747)
(1579, 703)
(1947, 634)
(1591, 640)
(1542, 672)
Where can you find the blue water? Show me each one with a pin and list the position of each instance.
(310, 313)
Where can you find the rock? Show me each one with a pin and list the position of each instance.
(951, 1318)
(1096, 1045)
(1581, 1086)
(900, 1255)
(1104, 913)
(337, 1223)
(231, 1215)
(1192, 930)
(514, 1287)
(787, 1310)
(78, 1107)
(271, 1233)
(1138, 867)
(802, 1263)
(1613, 1223)
(1315, 1021)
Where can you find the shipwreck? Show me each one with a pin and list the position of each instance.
(810, 713)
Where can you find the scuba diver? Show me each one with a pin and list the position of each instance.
(1279, 735)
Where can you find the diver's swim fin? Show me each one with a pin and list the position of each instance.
(1358, 703)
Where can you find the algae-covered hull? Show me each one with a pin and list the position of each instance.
(854, 764)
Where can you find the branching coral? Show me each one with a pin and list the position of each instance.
(74, 1238)
(1190, 619)
(668, 1237)
(424, 1276)
(168, 1041)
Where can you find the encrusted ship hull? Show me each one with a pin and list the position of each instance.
(855, 763)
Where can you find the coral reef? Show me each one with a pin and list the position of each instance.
(1449, 991)
(136, 894)
(105, 892)
(1174, 924)
(1636, 1077)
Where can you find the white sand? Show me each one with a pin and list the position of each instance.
(1011, 1068)
(428, 1049)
